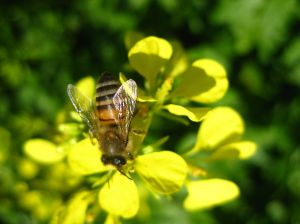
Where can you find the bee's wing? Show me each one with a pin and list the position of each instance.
(124, 101)
(84, 107)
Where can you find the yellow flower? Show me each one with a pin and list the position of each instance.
(46, 152)
(168, 78)
(205, 80)
(160, 62)
(221, 134)
(219, 137)
(163, 172)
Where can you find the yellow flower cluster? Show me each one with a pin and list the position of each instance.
(168, 78)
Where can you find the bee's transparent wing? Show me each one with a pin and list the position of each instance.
(124, 101)
(84, 107)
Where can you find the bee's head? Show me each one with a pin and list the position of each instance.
(117, 161)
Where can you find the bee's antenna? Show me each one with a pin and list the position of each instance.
(122, 172)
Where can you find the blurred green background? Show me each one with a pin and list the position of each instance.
(44, 45)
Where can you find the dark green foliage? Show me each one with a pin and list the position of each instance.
(44, 45)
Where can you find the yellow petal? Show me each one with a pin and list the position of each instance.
(87, 86)
(41, 204)
(43, 151)
(218, 73)
(74, 211)
(85, 158)
(194, 82)
(164, 172)
(221, 126)
(178, 62)
(71, 129)
(195, 114)
(236, 150)
(27, 169)
(208, 193)
(149, 55)
(119, 196)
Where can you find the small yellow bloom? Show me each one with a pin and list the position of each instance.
(204, 81)
(43, 151)
(221, 132)
(163, 172)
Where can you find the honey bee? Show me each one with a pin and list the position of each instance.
(108, 116)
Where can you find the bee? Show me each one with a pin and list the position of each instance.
(108, 116)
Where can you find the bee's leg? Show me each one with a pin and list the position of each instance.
(122, 172)
(91, 135)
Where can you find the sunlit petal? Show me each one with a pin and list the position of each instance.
(208, 193)
(194, 82)
(218, 73)
(43, 151)
(84, 158)
(221, 126)
(149, 55)
(195, 114)
(236, 150)
(119, 196)
(163, 171)
(75, 211)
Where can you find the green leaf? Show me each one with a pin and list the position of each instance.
(208, 193)
(131, 38)
(291, 56)
(4, 144)
(195, 114)
(247, 16)
(164, 172)
(272, 30)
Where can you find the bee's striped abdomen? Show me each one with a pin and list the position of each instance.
(106, 88)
